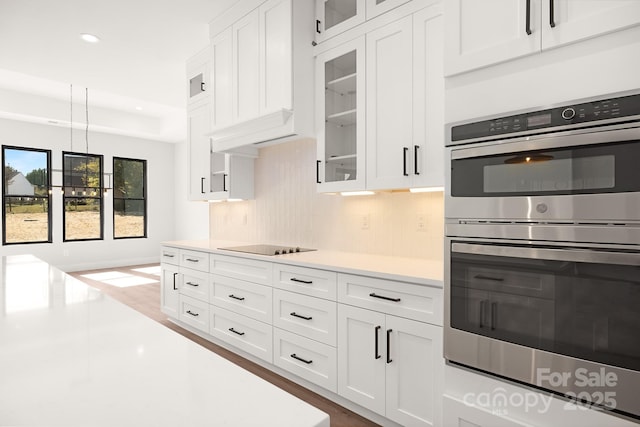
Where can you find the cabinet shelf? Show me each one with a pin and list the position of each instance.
(221, 172)
(343, 85)
(343, 118)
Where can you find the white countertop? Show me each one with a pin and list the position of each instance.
(415, 270)
(72, 356)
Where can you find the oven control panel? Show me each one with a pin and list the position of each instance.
(543, 121)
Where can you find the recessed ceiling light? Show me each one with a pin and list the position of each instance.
(89, 38)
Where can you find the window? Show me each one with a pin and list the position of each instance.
(27, 201)
(129, 198)
(82, 185)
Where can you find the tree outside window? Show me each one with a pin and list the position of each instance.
(26, 195)
(129, 198)
(82, 184)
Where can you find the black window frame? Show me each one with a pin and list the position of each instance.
(99, 195)
(144, 196)
(5, 196)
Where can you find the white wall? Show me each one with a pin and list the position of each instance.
(71, 256)
(288, 210)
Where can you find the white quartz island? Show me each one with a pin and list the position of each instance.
(71, 356)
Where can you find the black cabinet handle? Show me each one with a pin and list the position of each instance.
(203, 87)
(308, 362)
(192, 260)
(235, 297)
(318, 172)
(376, 353)
(192, 313)
(494, 315)
(308, 282)
(168, 256)
(415, 159)
(404, 161)
(174, 281)
(372, 294)
(552, 19)
(236, 332)
(483, 277)
(482, 308)
(224, 182)
(528, 18)
(318, 26)
(389, 360)
(195, 285)
(294, 314)
(202, 185)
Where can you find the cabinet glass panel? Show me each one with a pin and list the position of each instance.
(196, 85)
(340, 118)
(337, 11)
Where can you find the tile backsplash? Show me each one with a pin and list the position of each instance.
(288, 210)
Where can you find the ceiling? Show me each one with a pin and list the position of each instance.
(139, 62)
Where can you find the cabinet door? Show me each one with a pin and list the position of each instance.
(340, 117)
(572, 20)
(198, 124)
(336, 16)
(378, 7)
(198, 82)
(480, 33)
(246, 67)
(389, 105)
(414, 372)
(361, 362)
(170, 294)
(221, 79)
(459, 413)
(427, 152)
(275, 55)
(231, 176)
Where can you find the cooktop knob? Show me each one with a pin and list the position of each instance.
(297, 248)
(277, 252)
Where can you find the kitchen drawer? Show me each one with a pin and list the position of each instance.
(169, 255)
(246, 298)
(410, 300)
(194, 312)
(194, 260)
(247, 334)
(308, 359)
(311, 317)
(241, 268)
(195, 284)
(308, 281)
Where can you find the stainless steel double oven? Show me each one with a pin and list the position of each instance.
(542, 249)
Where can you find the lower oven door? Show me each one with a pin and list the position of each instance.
(565, 319)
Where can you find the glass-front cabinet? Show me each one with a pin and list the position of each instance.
(336, 16)
(340, 117)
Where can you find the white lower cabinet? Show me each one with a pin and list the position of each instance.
(194, 312)
(250, 335)
(458, 413)
(307, 316)
(306, 358)
(169, 289)
(246, 298)
(390, 365)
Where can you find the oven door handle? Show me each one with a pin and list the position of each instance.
(592, 256)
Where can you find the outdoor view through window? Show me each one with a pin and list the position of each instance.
(27, 214)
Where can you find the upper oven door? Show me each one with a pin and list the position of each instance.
(589, 175)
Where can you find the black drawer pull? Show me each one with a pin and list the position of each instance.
(192, 260)
(372, 294)
(308, 282)
(235, 297)
(294, 314)
(192, 313)
(193, 284)
(236, 332)
(483, 277)
(375, 331)
(404, 161)
(389, 360)
(168, 256)
(308, 362)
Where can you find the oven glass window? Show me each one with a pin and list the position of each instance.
(608, 168)
(587, 310)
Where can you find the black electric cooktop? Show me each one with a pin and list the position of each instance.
(267, 249)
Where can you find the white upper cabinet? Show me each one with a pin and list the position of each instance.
(262, 74)
(492, 31)
(377, 7)
(198, 124)
(231, 177)
(336, 16)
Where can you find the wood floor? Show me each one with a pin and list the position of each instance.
(145, 298)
